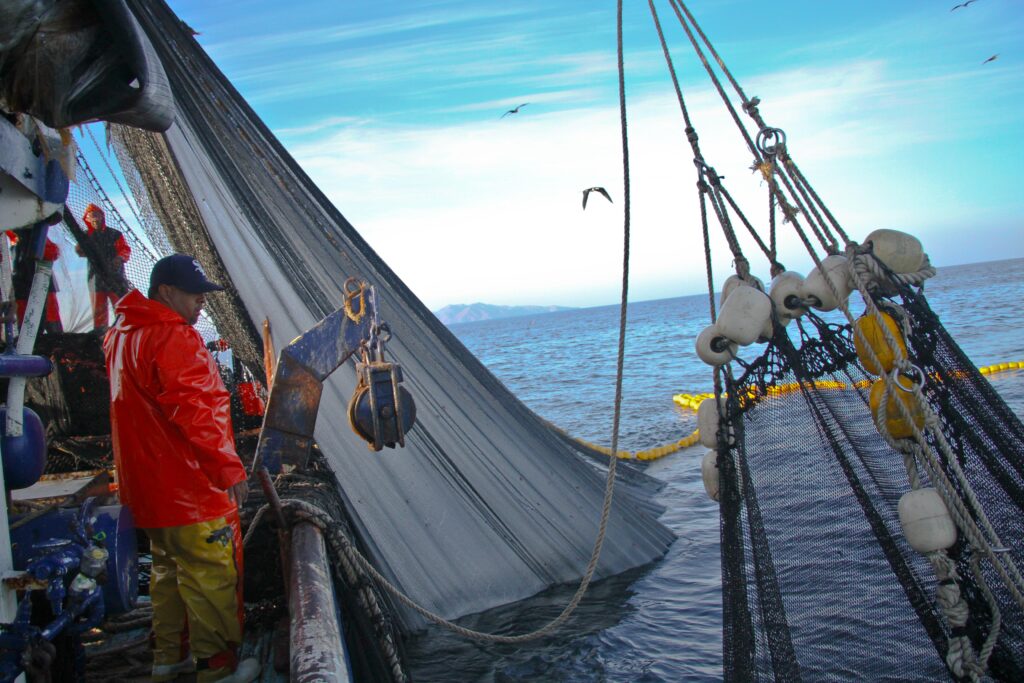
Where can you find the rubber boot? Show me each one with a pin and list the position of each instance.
(246, 671)
(169, 672)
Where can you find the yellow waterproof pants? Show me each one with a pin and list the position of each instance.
(196, 591)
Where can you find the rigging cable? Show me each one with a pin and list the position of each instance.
(691, 136)
(759, 162)
(969, 515)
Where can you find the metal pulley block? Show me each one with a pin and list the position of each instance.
(381, 410)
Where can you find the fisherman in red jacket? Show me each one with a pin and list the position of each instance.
(109, 245)
(179, 473)
(24, 271)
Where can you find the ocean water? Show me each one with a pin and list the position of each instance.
(661, 622)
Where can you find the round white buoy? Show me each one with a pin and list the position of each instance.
(714, 348)
(926, 522)
(734, 281)
(709, 473)
(707, 421)
(899, 251)
(744, 315)
(837, 271)
(786, 292)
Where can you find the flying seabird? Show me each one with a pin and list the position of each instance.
(962, 4)
(991, 59)
(586, 193)
(514, 111)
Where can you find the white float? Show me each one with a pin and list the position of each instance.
(837, 271)
(787, 284)
(714, 348)
(709, 473)
(707, 421)
(926, 522)
(745, 315)
(735, 281)
(899, 251)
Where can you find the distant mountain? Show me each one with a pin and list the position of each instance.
(466, 313)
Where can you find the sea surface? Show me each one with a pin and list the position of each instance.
(662, 622)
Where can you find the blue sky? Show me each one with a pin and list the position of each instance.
(394, 108)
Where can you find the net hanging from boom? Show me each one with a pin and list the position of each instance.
(486, 505)
(819, 579)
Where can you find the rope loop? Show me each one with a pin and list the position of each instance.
(742, 267)
(707, 173)
(880, 280)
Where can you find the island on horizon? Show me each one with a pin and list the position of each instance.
(467, 313)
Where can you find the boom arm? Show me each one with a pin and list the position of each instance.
(287, 434)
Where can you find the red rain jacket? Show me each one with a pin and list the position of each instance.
(121, 247)
(170, 415)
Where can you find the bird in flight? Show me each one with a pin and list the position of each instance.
(515, 110)
(991, 59)
(962, 4)
(586, 193)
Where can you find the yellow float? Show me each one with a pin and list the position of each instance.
(872, 337)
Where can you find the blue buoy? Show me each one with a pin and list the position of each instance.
(24, 457)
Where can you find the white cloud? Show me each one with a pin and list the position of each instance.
(491, 211)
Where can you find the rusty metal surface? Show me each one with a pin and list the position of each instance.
(23, 581)
(298, 385)
(317, 646)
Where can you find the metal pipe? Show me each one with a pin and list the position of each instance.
(13, 365)
(27, 338)
(317, 646)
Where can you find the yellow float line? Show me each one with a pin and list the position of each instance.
(1002, 367)
(693, 401)
(651, 453)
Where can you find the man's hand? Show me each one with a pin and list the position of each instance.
(239, 492)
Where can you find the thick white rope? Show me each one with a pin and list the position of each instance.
(960, 656)
(976, 534)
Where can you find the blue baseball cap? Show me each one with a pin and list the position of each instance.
(181, 271)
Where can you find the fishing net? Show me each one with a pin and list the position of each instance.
(818, 580)
(486, 504)
(822, 449)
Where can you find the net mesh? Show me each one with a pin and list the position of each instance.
(485, 505)
(818, 580)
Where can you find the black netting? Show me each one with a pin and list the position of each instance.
(988, 440)
(124, 212)
(818, 581)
